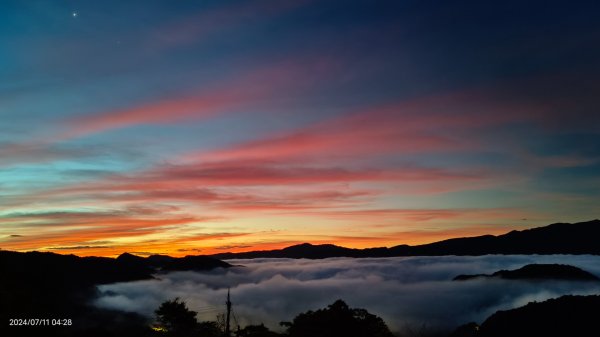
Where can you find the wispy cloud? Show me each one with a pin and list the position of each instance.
(86, 230)
(260, 86)
(36, 152)
(445, 123)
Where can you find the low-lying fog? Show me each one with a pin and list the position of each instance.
(407, 292)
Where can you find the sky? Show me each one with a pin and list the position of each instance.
(198, 127)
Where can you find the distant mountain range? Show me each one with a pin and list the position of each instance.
(558, 238)
(159, 263)
(48, 285)
(83, 271)
(536, 272)
(37, 284)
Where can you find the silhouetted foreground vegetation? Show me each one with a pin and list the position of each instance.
(337, 320)
(573, 316)
(174, 319)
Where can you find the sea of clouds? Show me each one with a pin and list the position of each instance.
(409, 293)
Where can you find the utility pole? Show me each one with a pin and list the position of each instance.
(227, 329)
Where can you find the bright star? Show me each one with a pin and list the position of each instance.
(74, 14)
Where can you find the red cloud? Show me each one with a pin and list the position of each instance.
(168, 111)
(258, 87)
(430, 124)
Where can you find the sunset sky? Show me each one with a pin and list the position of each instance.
(197, 127)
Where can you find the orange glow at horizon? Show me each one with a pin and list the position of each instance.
(215, 244)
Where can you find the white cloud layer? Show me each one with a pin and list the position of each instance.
(407, 292)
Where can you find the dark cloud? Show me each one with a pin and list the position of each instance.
(196, 250)
(406, 292)
(143, 253)
(78, 247)
(230, 247)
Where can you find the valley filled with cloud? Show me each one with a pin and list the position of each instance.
(409, 293)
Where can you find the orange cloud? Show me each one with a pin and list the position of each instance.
(44, 230)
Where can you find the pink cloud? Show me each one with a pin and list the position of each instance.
(433, 124)
(194, 178)
(168, 111)
(259, 87)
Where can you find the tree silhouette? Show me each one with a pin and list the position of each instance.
(337, 320)
(209, 329)
(466, 330)
(256, 331)
(175, 319)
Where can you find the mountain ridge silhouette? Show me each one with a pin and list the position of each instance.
(557, 238)
(537, 272)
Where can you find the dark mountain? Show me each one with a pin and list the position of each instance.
(301, 251)
(193, 263)
(69, 270)
(157, 260)
(167, 263)
(48, 285)
(537, 272)
(564, 316)
(558, 238)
